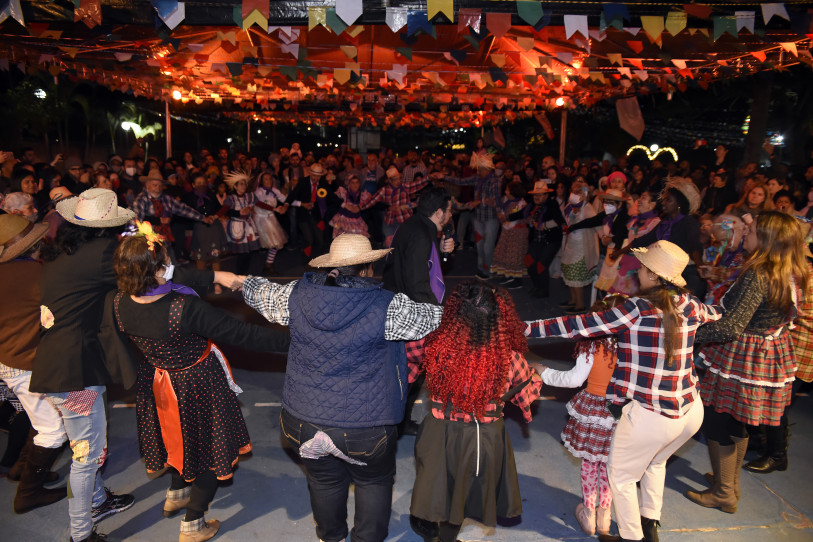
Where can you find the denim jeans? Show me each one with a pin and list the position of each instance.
(44, 417)
(88, 438)
(486, 232)
(329, 478)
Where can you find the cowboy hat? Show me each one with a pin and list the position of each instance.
(613, 194)
(152, 175)
(94, 208)
(317, 170)
(665, 259)
(349, 249)
(17, 235)
(687, 188)
(541, 187)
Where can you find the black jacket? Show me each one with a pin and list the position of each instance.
(302, 193)
(406, 269)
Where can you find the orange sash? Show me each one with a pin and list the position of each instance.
(166, 403)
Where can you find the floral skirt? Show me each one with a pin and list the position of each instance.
(345, 224)
(577, 274)
(509, 254)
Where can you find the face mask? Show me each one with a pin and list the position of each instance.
(610, 209)
(131, 171)
(499, 172)
(169, 271)
(574, 199)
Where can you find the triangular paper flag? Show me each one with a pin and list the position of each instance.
(700, 11)
(642, 75)
(260, 5)
(351, 51)
(468, 17)
(615, 58)
(433, 7)
(566, 58)
(745, 19)
(625, 72)
(526, 43)
(498, 59)
(341, 75)
(348, 10)
(576, 23)
(637, 62)
(681, 64)
(334, 22)
(790, 47)
(769, 10)
(405, 51)
(653, 27)
(632, 30)
(725, 24)
(636, 46)
(530, 11)
(290, 48)
(417, 20)
(498, 23)
(317, 16)
(614, 11)
(396, 18)
(629, 117)
(355, 30)
(227, 36)
(675, 22)
(256, 17)
(759, 55)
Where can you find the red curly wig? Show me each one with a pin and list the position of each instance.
(468, 357)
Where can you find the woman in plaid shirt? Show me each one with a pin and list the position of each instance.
(652, 390)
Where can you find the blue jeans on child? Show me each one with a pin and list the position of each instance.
(88, 439)
(329, 478)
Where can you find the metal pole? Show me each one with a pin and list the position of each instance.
(169, 129)
(563, 137)
(248, 135)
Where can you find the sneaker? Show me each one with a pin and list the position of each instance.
(481, 275)
(93, 537)
(113, 505)
(513, 284)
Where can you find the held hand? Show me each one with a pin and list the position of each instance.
(308, 206)
(447, 245)
(245, 211)
(229, 280)
(209, 219)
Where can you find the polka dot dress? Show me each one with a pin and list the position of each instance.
(212, 425)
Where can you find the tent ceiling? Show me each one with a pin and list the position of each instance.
(429, 71)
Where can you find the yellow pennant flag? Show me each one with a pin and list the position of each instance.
(615, 58)
(498, 60)
(317, 16)
(350, 50)
(433, 7)
(653, 26)
(676, 22)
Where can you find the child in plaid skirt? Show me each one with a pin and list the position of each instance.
(589, 430)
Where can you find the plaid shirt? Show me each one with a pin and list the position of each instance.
(487, 187)
(143, 207)
(408, 175)
(398, 200)
(518, 372)
(406, 320)
(641, 373)
(801, 334)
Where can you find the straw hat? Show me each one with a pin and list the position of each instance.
(613, 194)
(58, 193)
(665, 259)
(235, 176)
(349, 249)
(317, 170)
(688, 189)
(94, 208)
(152, 175)
(481, 159)
(17, 235)
(541, 187)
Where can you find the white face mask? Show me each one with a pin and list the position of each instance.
(131, 171)
(169, 271)
(574, 199)
(609, 208)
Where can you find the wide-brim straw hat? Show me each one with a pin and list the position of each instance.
(18, 234)
(665, 259)
(317, 170)
(613, 194)
(152, 175)
(349, 249)
(236, 176)
(58, 193)
(541, 187)
(392, 172)
(94, 208)
(688, 189)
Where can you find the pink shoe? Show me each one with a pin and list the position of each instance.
(586, 518)
(603, 520)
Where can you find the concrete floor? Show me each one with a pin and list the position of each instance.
(268, 499)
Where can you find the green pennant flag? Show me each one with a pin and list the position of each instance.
(725, 24)
(530, 11)
(473, 41)
(334, 21)
(288, 71)
(405, 51)
(237, 15)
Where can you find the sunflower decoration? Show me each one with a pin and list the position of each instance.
(145, 229)
(321, 193)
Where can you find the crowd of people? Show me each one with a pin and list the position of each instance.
(688, 269)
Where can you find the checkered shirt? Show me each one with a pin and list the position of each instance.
(641, 373)
(801, 335)
(10, 372)
(518, 372)
(7, 395)
(406, 320)
(484, 188)
(399, 206)
(408, 175)
(143, 207)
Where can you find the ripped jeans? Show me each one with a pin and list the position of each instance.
(88, 439)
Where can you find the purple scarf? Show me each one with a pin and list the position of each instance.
(203, 197)
(171, 287)
(570, 208)
(608, 220)
(664, 229)
(436, 275)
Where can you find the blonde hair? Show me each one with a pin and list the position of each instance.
(779, 258)
(766, 205)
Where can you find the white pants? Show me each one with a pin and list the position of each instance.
(642, 443)
(44, 417)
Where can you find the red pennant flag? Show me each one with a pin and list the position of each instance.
(636, 46)
(307, 250)
(701, 11)
(759, 55)
(637, 62)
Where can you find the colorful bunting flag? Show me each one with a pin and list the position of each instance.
(769, 10)
(351, 51)
(417, 20)
(724, 24)
(433, 7)
(396, 18)
(675, 22)
(530, 11)
(348, 10)
(468, 17)
(629, 117)
(636, 46)
(615, 58)
(13, 10)
(576, 23)
(498, 23)
(405, 52)
(653, 27)
(526, 43)
(317, 16)
(790, 47)
(745, 19)
(334, 22)
(701, 11)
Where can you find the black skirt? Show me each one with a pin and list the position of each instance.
(453, 483)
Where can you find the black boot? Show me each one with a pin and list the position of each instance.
(650, 527)
(428, 530)
(18, 428)
(30, 493)
(615, 538)
(776, 455)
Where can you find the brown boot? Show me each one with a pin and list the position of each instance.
(177, 499)
(17, 470)
(198, 530)
(30, 493)
(742, 446)
(721, 495)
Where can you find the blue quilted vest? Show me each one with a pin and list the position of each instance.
(341, 371)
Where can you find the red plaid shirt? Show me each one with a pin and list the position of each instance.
(641, 373)
(398, 200)
(518, 373)
(801, 335)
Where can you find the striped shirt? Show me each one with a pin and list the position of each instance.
(641, 373)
